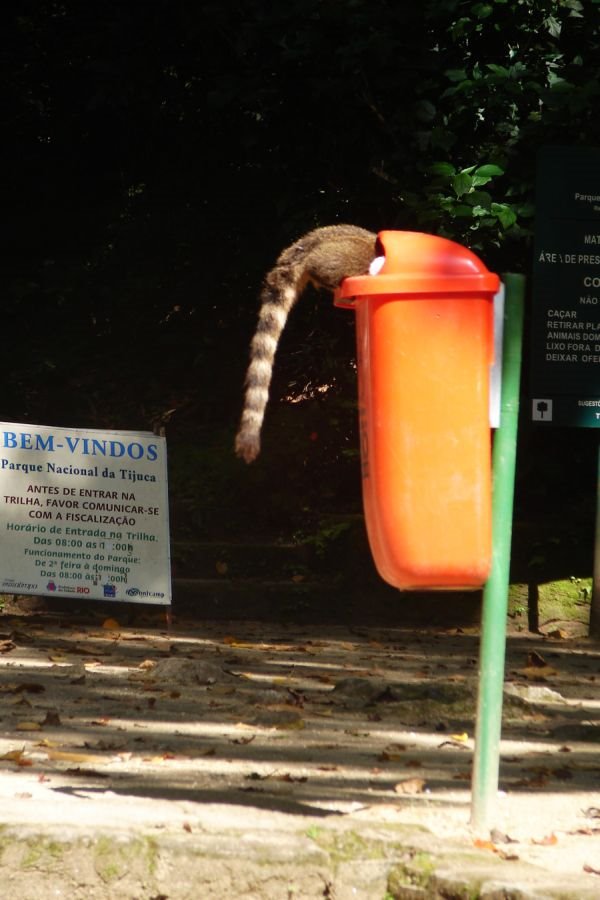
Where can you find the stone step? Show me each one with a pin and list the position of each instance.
(322, 600)
(247, 558)
(214, 559)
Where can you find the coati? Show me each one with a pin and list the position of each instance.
(322, 257)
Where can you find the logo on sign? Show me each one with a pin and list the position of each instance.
(542, 411)
(136, 592)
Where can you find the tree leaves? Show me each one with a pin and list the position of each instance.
(467, 201)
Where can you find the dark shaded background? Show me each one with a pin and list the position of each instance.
(159, 155)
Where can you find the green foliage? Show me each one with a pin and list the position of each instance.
(326, 534)
(455, 200)
(512, 76)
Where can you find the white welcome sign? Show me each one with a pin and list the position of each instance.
(84, 513)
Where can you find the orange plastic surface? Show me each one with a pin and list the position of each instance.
(424, 351)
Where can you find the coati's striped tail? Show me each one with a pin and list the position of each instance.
(323, 257)
(277, 298)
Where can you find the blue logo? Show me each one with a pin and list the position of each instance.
(109, 590)
(136, 592)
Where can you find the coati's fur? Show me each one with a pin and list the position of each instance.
(323, 257)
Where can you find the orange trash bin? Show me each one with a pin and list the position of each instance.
(425, 345)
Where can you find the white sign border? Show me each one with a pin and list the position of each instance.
(67, 469)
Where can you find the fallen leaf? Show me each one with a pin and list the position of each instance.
(111, 625)
(13, 755)
(278, 716)
(482, 844)
(536, 673)
(548, 841)
(7, 646)
(539, 780)
(455, 744)
(222, 568)
(73, 757)
(499, 837)
(507, 855)
(22, 701)
(563, 774)
(536, 660)
(389, 756)
(52, 718)
(591, 870)
(86, 773)
(28, 726)
(410, 786)
(393, 752)
(111, 746)
(460, 738)
(28, 687)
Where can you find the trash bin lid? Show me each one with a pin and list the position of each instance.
(416, 264)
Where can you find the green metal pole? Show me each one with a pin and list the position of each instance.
(486, 766)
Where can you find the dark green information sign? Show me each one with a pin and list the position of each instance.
(565, 358)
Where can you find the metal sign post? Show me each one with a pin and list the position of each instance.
(495, 597)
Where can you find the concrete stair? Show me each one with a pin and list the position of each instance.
(293, 582)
